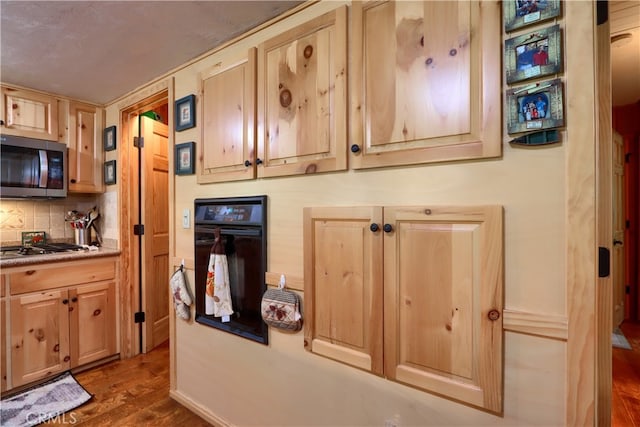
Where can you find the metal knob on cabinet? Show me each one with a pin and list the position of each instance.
(258, 162)
(374, 227)
(65, 301)
(388, 228)
(247, 163)
(74, 299)
(355, 148)
(72, 180)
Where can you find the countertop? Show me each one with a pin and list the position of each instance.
(58, 257)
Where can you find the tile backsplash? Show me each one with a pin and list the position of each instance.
(17, 216)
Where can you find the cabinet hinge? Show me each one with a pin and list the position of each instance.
(138, 230)
(139, 317)
(604, 262)
(138, 141)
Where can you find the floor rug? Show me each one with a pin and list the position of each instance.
(43, 402)
(618, 340)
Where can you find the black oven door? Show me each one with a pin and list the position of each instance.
(245, 249)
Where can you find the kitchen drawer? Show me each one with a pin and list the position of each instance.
(43, 277)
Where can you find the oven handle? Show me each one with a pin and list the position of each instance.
(228, 232)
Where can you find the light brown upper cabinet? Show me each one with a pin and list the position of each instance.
(85, 148)
(414, 294)
(302, 98)
(228, 116)
(29, 114)
(426, 82)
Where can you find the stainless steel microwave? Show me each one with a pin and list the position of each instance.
(32, 168)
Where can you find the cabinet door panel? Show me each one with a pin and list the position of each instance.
(443, 276)
(92, 327)
(430, 73)
(29, 114)
(228, 111)
(85, 148)
(302, 77)
(343, 293)
(39, 336)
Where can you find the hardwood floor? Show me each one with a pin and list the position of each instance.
(133, 392)
(625, 407)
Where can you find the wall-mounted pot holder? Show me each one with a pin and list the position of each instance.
(181, 297)
(281, 308)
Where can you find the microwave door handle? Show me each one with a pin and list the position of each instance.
(44, 169)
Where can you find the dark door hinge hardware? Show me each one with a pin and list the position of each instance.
(138, 141)
(138, 230)
(627, 224)
(627, 289)
(627, 157)
(604, 262)
(602, 12)
(139, 317)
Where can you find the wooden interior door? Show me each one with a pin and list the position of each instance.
(443, 287)
(618, 231)
(155, 246)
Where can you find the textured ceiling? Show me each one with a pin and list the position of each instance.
(98, 51)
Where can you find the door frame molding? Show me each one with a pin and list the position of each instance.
(143, 100)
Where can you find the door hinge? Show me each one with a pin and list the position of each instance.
(627, 289)
(139, 317)
(627, 157)
(604, 262)
(138, 141)
(627, 224)
(138, 230)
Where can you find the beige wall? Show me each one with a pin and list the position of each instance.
(239, 382)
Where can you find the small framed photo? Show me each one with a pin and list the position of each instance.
(109, 138)
(185, 164)
(520, 13)
(185, 112)
(110, 172)
(535, 54)
(535, 107)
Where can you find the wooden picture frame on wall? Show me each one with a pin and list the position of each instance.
(535, 107)
(520, 13)
(534, 54)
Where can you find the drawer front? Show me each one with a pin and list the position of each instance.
(41, 278)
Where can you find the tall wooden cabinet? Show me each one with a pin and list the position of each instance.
(411, 293)
(426, 82)
(85, 124)
(29, 114)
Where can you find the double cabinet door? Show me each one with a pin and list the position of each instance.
(53, 331)
(413, 294)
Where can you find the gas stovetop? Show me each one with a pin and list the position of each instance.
(39, 249)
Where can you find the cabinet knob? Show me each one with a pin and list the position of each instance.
(67, 358)
(388, 228)
(72, 180)
(56, 348)
(97, 312)
(74, 299)
(493, 315)
(258, 161)
(355, 148)
(247, 163)
(1, 122)
(65, 301)
(374, 227)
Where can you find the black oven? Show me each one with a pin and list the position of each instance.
(242, 222)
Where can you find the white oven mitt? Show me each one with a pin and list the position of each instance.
(181, 297)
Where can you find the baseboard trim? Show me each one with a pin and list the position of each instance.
(198, 409)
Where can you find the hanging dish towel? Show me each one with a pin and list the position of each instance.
(217, 290)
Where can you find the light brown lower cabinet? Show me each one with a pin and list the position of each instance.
(54, 330)
(3, 349)
(414, 294)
